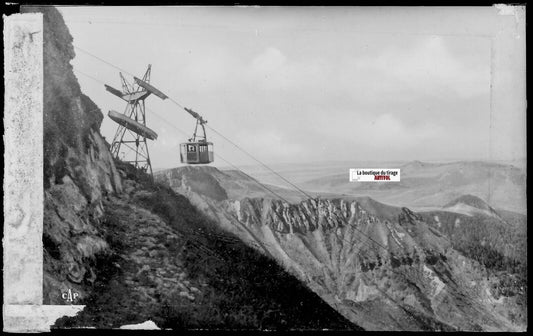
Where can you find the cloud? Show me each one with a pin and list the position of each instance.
(268, 62)
(272, 144)
(387, 130)
(428, 68)
(206, 71)
(331, 94)
(395, 102)
(272, 70)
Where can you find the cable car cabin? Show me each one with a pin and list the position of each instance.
(196, 152)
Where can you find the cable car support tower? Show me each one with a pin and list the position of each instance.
(132, 132)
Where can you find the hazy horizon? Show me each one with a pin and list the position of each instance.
(518, 163)
(316, 84)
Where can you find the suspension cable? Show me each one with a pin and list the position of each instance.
(218, 155)
(211, 128)
(102, 60)
(260, 162)
(264, 165)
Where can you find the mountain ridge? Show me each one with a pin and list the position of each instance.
(137, 250)
(322, 241)
(133, 250)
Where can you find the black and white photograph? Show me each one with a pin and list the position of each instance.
(265, 168)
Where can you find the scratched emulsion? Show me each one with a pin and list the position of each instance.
(23, 191)
(23, 159)
(23, 176)
(508, 103)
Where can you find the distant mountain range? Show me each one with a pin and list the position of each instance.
(383, 267)
(135, 250)
(422, 184)
(470, 205)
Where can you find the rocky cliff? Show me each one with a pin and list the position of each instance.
(382, 267)
(171, 265)
(133, 250)
(78, 169)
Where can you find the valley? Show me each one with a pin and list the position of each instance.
(383, 267)
(198, 247)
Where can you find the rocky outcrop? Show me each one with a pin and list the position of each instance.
(133, 250)
(78, 169)
(199, 181)
(380, 271)
(170, 265)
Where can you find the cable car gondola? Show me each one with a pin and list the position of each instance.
(197, 150)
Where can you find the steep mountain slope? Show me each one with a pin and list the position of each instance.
(471, 220)
(384, 268)
(133, 250)
(78, 169)
(231, 184)
(167, 263)
(494, 238)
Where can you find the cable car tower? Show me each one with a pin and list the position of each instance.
(132, 131)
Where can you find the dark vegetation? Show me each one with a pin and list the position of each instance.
(243, 288)
(110, 304)
(497, 244)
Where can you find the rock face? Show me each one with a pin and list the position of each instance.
(135, 251)
(384, 268)
(169, 264)
(136, 258)
(78, 169)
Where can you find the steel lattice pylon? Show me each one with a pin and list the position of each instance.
(127, 145)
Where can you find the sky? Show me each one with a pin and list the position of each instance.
(316, 84)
